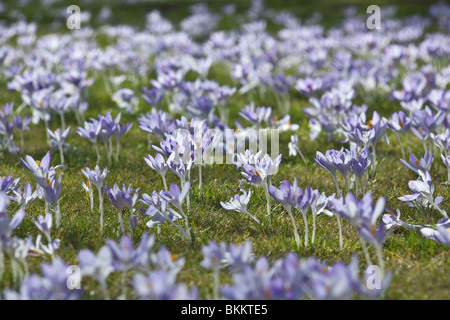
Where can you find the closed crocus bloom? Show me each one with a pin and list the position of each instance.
(157, 163)
(96, 176)
(239, 204)
(440, 234)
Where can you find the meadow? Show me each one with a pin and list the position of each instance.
(317, 63)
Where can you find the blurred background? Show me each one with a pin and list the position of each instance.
(50, 15)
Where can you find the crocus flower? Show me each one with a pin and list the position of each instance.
(119, 131)
(126, 99)
(121, 198)
(158, 164)
(256, 116)
(7, 225)
(152, 97)
(288, 196)
(39, 169)
(423, 189)
(4, 203)
(327, 162)
(239, 203)
(161, 285)
(57, 140)
(51, 286)
(125, 257)
(416, 164)
(213, 256)
(91, 131)
(238, 256)
(318, 206)
(158, 124)
(97, 266)
(175, 196)
(425, 122)
(446, 161)
(294, 148)
(360, 163)
(442, 140)
(23, 198)
(21, 125)
(8, 184)
(440, 234)
(358, 212)
(160, 213)
(44, 224)
(308, 86)
(399, 122)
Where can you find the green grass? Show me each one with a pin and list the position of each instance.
(420, 266)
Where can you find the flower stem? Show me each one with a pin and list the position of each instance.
(100, 205)
(124, 285)
(407, 143)
(91, 197)
(186, 223)
(305, 220)
(296, 236)
(366, 251)
(216, 283)
(301, 154)
(58, 214)
(313, 240)
(380, 261)
(252, 216)
(338, 190)
(200, 179)
(266, 190)
(61, 154)
(164, 181)
(401, 144)
(440, 210)
(122, 228)
(117, 150)
(341, 239)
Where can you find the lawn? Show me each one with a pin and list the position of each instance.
(420, 266)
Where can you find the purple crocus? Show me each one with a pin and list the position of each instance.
(96, 177)
(360, 163)
(416, 164)
(213, 257)
(423, 189)
(239, 203)
(97, 266)
(158, 164)
(125, 257)
(53, 285)
(153, 96)
(57, 141)
(121, 198)
(161, 285)
(91, 131)
(126, 99)
(288, 195)
(256, 116)
(441, 233)
(158, 124)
